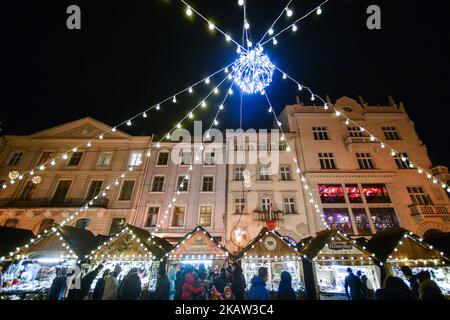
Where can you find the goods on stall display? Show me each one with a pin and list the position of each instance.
(331, 279)
(439, 275)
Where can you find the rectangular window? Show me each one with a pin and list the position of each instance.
(208, 184)
(320, 133)
(75, 159)
(61, 192)
(186, 158)
(376, 193)
(135, 159)
(331, 193)
(266, 204)
(182, 184)
(289, 205)
(286, 173)
(262, 146)
(239, 173)
(11, 223)
(384, 219)
(418, 196)
(127, 190)
(152, 217)
(104, 160)
(28, 191)
(178, 217)
(264, 174)
(391, 133)
(282, 147)
(94, 189)
(163, 159)
(82, 223)
(239, 205)
(401, 159)
(327, 161)
(362, 222)
(205, 216)
(14, 158)
(45, 157)
(353, 193)
(116, 226)
(158, 184)
(210, 158)
(365, 161)
(339, 219)
(355, 132)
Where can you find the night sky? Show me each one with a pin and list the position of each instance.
(130, 54)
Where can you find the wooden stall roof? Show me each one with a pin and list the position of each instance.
(11, 238)
(332, 247)
(441, 241)
(198, 242)
(401, 244)
(80, 241)
(257, 246)
(124, 245)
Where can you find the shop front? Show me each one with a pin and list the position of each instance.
(131, 248)
(328, 256)
(34, 266)
(402, 248)
(198, 248)
(274, 252)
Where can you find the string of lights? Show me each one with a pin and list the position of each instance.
(270, 31)
(16, 175)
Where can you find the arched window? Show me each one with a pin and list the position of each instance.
(46, 224)
(12, 223)
(83, 223)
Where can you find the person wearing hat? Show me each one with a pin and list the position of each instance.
(112, 284)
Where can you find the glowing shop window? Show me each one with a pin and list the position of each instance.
(339, 218)
(384, 218)
(376, 193)
(331, 193)
(353, 193)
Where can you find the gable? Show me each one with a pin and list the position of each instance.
(340, 247)
(123, 248)
(271, 245)
(410, 249)
(198, 244)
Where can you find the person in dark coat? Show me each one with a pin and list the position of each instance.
(238, 284)
(364, 288)
(100, 286)
(58, 285)
(412, 279)
(179, 281)
(162, 291)
(88, 279)
(395, 288)
(353, 283)
(258, 289)
(428, 289)
(131, 286)
(221, 281)
(285, 290)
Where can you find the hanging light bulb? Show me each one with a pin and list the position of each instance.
(89, 144)
(191, 90)
(207, 81)
(275, 41)
(270, 31)
(158, 107)
(216, 123)
(129, 123)
(319, 11)
(228, 38)
(53, 162)
(203, 104)
(221, 107)
(230, 92)
(144, 115)
(216, 90)
(313, 97)
(241, 2)
(347, 122)
(191, 116)
(270, 110)
(249, 43)
(246, 25)
(189, 11)
(289, 12)
(211, 26)
(284, 76)
(114, 129)
(238, 50)
(294, 28)
(179, 126)
(174, 100)
(300, 88)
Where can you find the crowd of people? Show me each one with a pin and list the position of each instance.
(419, 286)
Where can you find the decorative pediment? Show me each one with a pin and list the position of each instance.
(86, 128)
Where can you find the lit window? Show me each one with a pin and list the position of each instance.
(353, 193)
(152, 217)
(338, 218)
(331, 193)
(205, 216)
(104, 160)
(362, 221)
(178, 217)
(135, 159)
(384, 218)
(376, 193)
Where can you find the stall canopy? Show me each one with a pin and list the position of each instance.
(198, 244)
(403, 246)
(272, 244)
(440, 241)
(11, 238)
(331, 247)
(130, 244)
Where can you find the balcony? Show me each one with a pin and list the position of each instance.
(52, 203)
(441, 172)
(430, 210)
(264, 216)
(351, 141)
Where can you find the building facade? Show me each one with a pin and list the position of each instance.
(362, 187)
(200, 201)
(68, 184)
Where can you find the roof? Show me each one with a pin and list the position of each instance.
(401, 244)
(255, 247)
(80, 241)
(312, 249)
(11, 238)
(441, 241)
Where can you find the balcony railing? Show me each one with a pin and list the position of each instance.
(439, 170)
(436, 210)
(266, 216)
(53, 203)
(358, 140)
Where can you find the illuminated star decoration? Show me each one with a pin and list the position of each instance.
(253, 71)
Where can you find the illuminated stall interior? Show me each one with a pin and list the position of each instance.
(402, 248)
(131, 248)
(331, 253)
(198, 248)
(271, 250)
(36, 263)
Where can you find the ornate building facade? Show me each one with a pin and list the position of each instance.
(68, 184)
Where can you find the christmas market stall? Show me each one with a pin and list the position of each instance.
(327, 258)
(198, 248)
(131, 248)
(400, 247)
(37, 262)
(271, 250)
